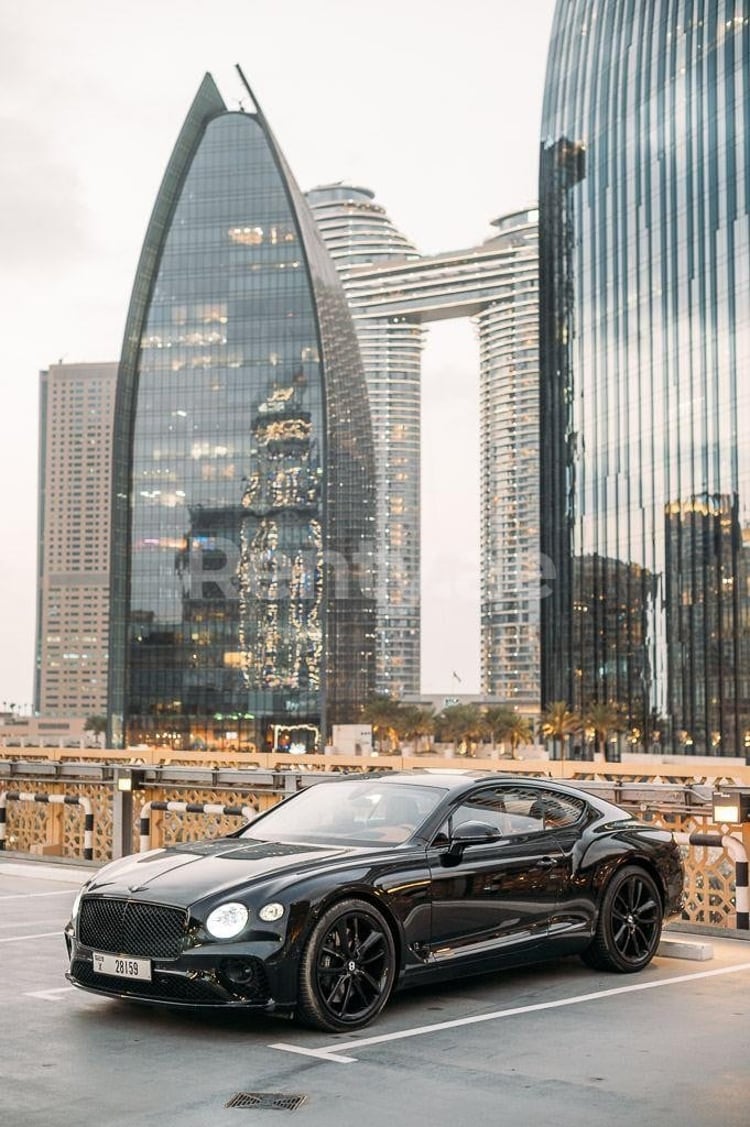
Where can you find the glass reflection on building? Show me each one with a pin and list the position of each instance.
(244, 504)
(645, 333)
(281, 558)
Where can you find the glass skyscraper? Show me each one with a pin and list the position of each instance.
(645, 334)
(242, 610)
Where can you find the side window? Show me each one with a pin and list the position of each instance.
(524, 810)
(515, 810)
(487, 807)
(560, 810)
(532, 810)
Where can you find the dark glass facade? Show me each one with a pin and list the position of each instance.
(243, 463)
(645, 334)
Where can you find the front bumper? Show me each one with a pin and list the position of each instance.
(239, 976)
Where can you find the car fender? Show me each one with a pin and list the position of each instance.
(377, 898)
(312, 901)
(604, 856)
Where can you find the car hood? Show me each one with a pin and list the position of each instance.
(185, 873)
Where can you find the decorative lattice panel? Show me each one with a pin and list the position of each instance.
(28, 823)
(709, 873)
(171, 827)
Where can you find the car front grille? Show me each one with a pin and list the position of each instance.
(132, 927)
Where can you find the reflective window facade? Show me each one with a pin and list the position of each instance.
(243, 520)
(645, 331)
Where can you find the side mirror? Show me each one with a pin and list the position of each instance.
(472, 833)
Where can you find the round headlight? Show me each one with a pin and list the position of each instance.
(227, 920)
(271, 912)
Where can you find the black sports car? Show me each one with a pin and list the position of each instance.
(322, 906)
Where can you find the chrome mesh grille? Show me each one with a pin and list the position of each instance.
(132, 927)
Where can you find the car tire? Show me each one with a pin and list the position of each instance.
(628, 928)
(347, 969)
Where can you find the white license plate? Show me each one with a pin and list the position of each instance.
(121, 966)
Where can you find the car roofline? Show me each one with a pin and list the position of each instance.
(456, 780)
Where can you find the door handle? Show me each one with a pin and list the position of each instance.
(545, 863)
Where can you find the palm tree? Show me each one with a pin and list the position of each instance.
(97, 725)
(461, 723)
(603, 718)
(385, 715)
(417, 723)
(497, 720)
(558, 722)
(519, 731)
(505, 725)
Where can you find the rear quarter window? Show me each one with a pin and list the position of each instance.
(561, 810)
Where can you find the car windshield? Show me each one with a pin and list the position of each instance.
(351, 812)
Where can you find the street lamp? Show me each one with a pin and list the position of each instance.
(128, 778)
(731, 806)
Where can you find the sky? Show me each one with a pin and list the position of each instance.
(435, 105)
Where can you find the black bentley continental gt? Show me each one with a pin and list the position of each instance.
(325, 904)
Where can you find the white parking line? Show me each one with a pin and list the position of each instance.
(336, 1050)
(50, 995)
(321, 1054)
(32, 870)
(39, 935)
(30, 895)
(26, 923)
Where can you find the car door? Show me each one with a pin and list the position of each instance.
(565, 816)
(495, 898)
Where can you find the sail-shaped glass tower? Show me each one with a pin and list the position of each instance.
(645, 350)
(242, 610)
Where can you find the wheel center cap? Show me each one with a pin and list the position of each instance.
(631, 921)
(351, 966)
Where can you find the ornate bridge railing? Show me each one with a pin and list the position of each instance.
(192, 797)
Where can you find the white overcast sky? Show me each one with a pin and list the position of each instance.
(434, 104)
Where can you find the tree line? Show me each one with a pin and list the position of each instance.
(468, 726)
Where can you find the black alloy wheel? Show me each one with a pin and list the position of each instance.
(629, 925)
(347, 969)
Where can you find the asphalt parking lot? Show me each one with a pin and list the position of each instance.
(556, 1044)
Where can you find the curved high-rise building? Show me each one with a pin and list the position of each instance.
(508, 331)
(357, 230)
(242, 609)
(645, 335)
(360, 236)
(393, 294)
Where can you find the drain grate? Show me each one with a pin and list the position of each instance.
(277, 1101)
